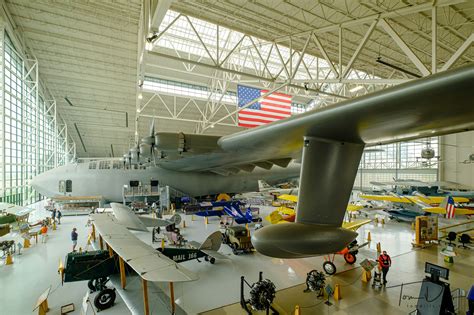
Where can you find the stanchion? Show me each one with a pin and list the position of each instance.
(337, 292)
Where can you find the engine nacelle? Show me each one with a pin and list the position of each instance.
(180, 142)
(299, 240)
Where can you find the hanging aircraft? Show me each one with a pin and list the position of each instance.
(328, 141)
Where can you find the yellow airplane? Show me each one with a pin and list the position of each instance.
(431, 204)
(286, 213)
(430, 200)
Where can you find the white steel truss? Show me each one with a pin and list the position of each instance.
(225, 57)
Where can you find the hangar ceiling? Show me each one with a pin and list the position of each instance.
(90, 54)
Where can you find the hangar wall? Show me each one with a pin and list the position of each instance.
(455, 166)
(33, 137)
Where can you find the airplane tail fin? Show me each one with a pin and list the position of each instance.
(176, 219)
(263, 185)
(448, 204)
(248, 214)
(212, 242)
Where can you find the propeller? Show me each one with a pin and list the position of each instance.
(149, 141)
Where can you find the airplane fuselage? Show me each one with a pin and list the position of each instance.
(83, 180)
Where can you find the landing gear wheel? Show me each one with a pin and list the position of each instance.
(350, 258)
(235, 248)
(90, 285)
(212, 260)
(97, 284)
(104, 299)
(206, 258)
(329, 268)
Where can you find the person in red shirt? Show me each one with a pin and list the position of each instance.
(44, 233)
(385, 263)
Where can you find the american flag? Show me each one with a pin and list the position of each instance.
(274, 107)
(450, 208)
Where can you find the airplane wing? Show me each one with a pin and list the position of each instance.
(286, 197)
(354, 225)
(132, 221)
(127, 218)
(353, 208)
(14, 209)
(286, 210)
(149, 263)
(441, 210)
(332, 140)
(439, 199)
(435, 105)
(388, 198)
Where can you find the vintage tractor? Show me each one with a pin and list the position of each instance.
(238, 238)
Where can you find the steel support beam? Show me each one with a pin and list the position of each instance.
(160, 11)
(370, 18)
(458, 53)
(359, 48)
(404, 47)
(244, 74)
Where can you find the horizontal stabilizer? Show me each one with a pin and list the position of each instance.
(214, 254)
(355, 225)
(212, 242)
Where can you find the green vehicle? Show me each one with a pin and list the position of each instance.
(238, 238)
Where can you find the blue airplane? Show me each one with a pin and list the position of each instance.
(230, 208)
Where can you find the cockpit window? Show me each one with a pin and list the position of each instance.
(62, 186)
(68, 186)
(104, 165)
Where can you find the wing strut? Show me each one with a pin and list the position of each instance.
(328, 171)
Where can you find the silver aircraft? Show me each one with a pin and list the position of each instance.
(328, 141)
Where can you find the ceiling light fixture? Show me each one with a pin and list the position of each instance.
(152, 37)
(379, 60)
(68, 101)
(356, 88)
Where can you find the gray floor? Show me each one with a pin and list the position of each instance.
(218, 285)
(36, 269)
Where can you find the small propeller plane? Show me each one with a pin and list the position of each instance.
(446, 207)
(11, 214)
(231, 208)
(416, 198)
(195, 250)
(287, 213)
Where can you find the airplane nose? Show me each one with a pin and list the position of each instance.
(37, 183)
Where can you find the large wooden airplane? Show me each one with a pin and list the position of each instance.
(328, 141)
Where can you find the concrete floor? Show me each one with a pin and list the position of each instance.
(219, 284)
(36, 269)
